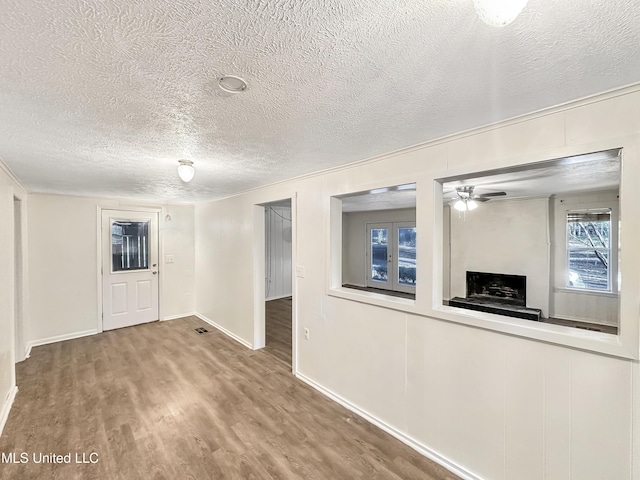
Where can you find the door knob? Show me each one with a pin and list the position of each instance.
(154, 272)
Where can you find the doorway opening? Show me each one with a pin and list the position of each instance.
(18, 282)
(278, 241)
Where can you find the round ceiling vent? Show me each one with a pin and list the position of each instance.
(232, 84)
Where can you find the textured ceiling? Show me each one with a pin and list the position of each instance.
(102, 97)
(570, 175)
(582, 173)
(380, 199)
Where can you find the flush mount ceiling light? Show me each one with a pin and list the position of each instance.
(186, 170)
(231, 84)
(498, 13)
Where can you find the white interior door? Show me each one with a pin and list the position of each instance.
(129, 268)
(391, 256)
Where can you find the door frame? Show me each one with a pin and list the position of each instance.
(19, 274)
(126, 208)
(259, 259)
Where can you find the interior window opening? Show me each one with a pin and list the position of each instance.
(536, 242)
(379, 241)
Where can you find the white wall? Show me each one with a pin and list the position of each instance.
(277, 269)
(601, 308)
(503, 236)
(224, 270)
(8, 188)
(498, 406)
(63, 267)
(354, 240)
(178, 278)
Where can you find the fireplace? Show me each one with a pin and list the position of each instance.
(497, 288)
(499, 293)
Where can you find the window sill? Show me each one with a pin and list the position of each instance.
(546, 332)
(374, 298)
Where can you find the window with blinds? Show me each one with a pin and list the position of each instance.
(589, 249)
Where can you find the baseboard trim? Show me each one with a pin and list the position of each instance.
(175, 317)
(224, 330)
(403, 437)
(59, 338)
(6, 407)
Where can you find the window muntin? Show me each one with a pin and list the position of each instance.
(589, 249)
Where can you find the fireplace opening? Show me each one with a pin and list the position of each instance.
(497, 293)
(497, 288)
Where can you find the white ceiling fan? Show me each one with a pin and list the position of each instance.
(466, 200)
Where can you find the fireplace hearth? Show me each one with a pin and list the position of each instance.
(497, 293)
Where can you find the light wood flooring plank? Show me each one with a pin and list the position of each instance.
(158, 401)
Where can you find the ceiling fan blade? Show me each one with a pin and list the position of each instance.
(492, 194)
(481, 199)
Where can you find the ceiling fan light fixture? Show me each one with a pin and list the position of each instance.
(498, 13)
(186, 170)
(466, 200)
(460, 205)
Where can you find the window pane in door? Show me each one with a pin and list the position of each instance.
(407, 256)
(129, 245)
(379, 254)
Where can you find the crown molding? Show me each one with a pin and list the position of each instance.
(562, 107)
(14, 178)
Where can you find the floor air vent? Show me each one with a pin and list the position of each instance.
(200, 330)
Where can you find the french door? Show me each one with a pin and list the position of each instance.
(391, 256)
(129, 268)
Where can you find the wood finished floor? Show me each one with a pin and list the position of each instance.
(278, 329)
(158, 401)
